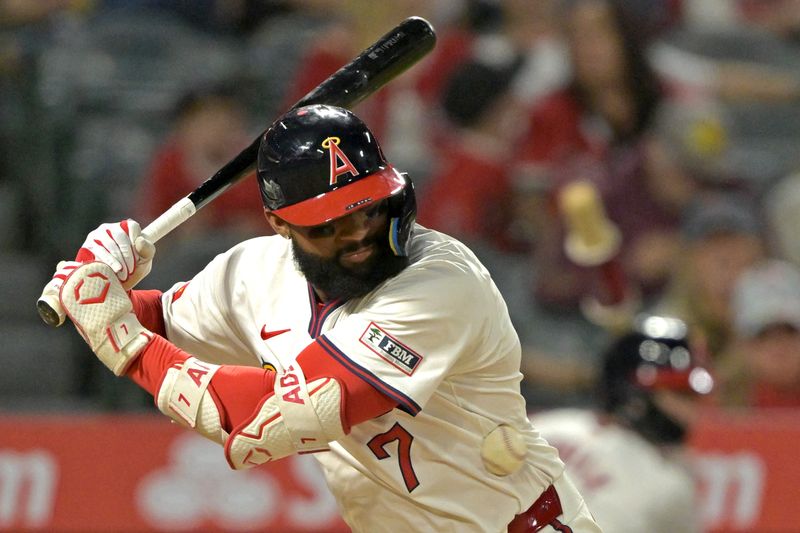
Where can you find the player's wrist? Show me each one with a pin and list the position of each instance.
(150, 367)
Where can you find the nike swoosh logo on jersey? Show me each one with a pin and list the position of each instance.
(269, 334)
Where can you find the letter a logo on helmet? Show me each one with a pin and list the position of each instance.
(337, 155)
(319, 162)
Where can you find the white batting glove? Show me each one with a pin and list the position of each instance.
(121, 246)
(63, 270)
(99, 306)
(53, 288)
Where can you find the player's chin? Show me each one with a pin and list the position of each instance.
(362, 269)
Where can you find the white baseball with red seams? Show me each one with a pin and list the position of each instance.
(503, 450)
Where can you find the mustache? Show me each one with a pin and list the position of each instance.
(363, 243)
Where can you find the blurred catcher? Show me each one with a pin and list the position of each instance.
(626, 458)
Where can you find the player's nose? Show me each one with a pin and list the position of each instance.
(353, 227)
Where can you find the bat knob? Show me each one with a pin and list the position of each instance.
(49, 311)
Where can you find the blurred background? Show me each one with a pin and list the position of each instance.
(679, 118)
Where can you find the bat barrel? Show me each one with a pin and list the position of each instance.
(391, 55)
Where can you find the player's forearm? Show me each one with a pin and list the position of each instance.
(256, 415)
(236, 390)
(147, 308)
(149, 369)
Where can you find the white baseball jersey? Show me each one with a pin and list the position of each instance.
(629, 484)
(436, 338)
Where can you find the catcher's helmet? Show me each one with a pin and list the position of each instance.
(318, 163)
(654, 355)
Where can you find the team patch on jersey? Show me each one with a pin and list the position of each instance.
(390, 349)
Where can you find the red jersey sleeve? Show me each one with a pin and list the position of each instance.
(147, 308)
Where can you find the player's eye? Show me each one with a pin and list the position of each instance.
(329, 229)
(323, 230)
(377, 210)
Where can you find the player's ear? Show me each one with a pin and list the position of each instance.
(279, 226)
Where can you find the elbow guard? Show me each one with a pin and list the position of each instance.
(184, 397)
(295, 418)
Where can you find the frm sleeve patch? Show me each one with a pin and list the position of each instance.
(390, 349)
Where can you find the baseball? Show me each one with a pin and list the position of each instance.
(503, 450)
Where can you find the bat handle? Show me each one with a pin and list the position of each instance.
(180, 212)
(49, 306)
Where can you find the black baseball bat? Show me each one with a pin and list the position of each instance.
(381, 62)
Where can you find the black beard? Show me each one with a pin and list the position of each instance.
(338, 282)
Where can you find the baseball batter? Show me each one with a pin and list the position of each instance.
(382, 347)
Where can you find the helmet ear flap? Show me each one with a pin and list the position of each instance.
(402, 215)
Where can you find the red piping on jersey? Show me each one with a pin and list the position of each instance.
(403, 402)
(319, 312)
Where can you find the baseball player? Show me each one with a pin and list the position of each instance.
(380, 346)
(627, 458)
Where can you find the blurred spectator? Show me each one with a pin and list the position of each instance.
(733, 50)
(455, 39)
(691, 74)
(696, 136)
(468, 190)
(396, 111)
(765, 368)
(533, 29)
(237, 17)
(722, 236)
(350, 27)
(779, 17)
(656, 17)
(210, 128)
(782, 211)
(335, 43)
(596, 129)
(15, 13)
(627, 456)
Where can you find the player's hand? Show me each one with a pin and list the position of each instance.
(53, 288)
(99, 306)
(121, 246)
(63, 270)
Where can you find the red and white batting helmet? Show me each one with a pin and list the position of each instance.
(318, 163)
